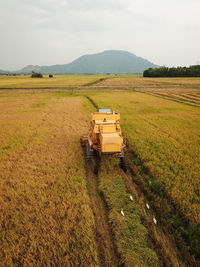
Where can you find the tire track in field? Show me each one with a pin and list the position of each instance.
(107, 251)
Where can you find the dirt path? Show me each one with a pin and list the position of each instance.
(104, 239)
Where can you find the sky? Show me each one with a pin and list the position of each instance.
(47, 32)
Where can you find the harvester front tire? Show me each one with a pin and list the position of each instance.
(83, 141)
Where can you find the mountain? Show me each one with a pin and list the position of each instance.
(4, 72)
(110, 61)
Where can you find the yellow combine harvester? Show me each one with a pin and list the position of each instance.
(104, 137)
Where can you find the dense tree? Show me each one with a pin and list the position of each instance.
(192, 71)
(36, 75)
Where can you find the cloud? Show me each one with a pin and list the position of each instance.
(57, 31)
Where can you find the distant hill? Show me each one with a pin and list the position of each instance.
(3, 72)
(110, 61)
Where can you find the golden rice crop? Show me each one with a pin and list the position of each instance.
(57, 80)
(45, 217)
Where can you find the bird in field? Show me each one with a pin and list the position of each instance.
(154, 220)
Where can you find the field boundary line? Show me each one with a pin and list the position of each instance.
(97, 81)
(84, 87)
(92, 102)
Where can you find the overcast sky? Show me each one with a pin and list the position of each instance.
(47, 32)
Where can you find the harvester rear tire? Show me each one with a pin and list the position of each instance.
(92, 155)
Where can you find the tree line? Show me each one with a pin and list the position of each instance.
(192, 71)
(39, 75)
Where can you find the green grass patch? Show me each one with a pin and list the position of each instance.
(130, 235)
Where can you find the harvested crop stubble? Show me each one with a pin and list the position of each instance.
(45, 218)
(187, 95)
(131, 236)
(140, 81)
(181, 89)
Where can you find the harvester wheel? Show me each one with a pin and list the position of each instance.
(92, 155)
(122, 164)
(83, 140)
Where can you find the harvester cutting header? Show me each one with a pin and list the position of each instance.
(104, 137)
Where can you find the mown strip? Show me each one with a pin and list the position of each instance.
(130, 235)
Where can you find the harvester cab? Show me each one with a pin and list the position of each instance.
(104, 137)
